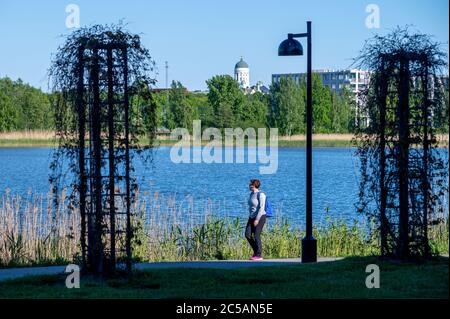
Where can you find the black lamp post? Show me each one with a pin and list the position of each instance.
(291, 47)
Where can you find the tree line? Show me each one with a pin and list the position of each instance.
(23, 107)
(226, 105)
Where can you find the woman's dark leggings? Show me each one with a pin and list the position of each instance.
(256, 231)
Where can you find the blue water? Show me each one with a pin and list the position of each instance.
(335, 181)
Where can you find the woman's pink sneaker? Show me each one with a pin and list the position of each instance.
(256, 258)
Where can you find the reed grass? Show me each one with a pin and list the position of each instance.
(32, 232)
(37, 138)
(35, 232)
(28, 135)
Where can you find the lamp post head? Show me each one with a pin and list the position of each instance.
(290, 47)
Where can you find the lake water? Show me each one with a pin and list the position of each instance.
(335, 181)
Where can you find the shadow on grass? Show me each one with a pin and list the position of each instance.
(335, 279)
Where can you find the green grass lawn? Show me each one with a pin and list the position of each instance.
(340, 279)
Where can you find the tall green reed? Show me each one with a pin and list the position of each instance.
(33, 231)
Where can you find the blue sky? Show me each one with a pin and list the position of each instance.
(203, 38)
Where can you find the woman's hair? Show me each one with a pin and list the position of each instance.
(255, 182)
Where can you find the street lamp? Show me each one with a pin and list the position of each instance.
(291, 47)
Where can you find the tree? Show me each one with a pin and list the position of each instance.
(340, 112)
(322, 106)
(8, 114)
(256, 110)
(348, 120)
(181, 113)
(35, 109)
(227, 101)
(201, 109)
(160, 100)
(288, 107)
(145, 111)
(29, 107)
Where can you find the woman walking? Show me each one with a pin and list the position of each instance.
(257, 218)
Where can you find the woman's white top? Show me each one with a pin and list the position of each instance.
(253, 205)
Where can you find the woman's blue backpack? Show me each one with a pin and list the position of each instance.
(267, 207)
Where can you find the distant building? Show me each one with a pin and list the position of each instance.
(161, 90)
(242, 74)
(354, 80)
(259, 87)
(200, 91)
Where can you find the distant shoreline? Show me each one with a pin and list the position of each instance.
(47, 139)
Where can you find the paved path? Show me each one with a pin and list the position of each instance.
(12, 273)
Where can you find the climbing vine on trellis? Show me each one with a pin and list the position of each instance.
(101, 78)
(403, 172)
